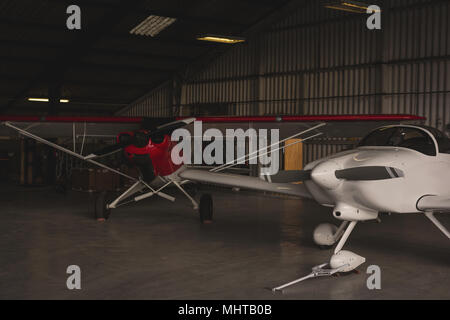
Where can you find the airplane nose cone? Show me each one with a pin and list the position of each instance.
(325, 175)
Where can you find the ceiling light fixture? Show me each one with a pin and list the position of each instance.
(47, 100)
(152, 25)
(221, 39)
(38, 99)
(349, 6)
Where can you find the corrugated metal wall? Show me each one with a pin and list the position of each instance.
(325, 61)
(157, 103)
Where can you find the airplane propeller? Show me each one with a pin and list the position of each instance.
(141, 138)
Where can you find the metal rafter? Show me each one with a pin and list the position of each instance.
(80, 47)
(172, 14)
(102, 51)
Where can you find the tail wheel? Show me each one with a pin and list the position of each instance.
(206, 209)
(102, 213)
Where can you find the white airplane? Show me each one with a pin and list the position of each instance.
(395, 169)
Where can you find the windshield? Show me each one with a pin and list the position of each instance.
(403, 137)
(442, 140)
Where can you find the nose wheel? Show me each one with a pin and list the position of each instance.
(206, 209)
(102, 212)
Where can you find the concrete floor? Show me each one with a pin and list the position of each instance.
(158, 250)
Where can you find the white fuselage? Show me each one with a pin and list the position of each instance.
(423, 175)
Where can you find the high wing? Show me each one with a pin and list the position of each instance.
(354, 125)
(246, 182)
(63, 127)
(58, 147)
(67, 126)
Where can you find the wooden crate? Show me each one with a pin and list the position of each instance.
(293, 155)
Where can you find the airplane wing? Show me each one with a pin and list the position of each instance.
(67, 126)
(434, 204)
(338, 126)
(246, 182)
(26, 133)
(63, 127)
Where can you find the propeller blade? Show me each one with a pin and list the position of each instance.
(369, 173)
(124, 141)
(105, 151)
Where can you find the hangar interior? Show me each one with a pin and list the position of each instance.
(150, 59)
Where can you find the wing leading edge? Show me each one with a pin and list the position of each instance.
(432, 204)
(252, 183)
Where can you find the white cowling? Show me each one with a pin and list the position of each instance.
(324, 174)
(348, 259)
(324, 234)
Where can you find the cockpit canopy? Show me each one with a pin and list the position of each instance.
(416, 138)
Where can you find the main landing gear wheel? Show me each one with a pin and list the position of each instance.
(102, 213)
(206, 209)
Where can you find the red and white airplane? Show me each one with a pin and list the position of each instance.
(395, 169)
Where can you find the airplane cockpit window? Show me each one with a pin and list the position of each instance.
(442, 140)
(402, 137)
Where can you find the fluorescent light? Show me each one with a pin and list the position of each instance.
(349, 6)
(47, 100)
(152, 25)
(221, 39)
(38, 99)
(358, 5)
(342, 8)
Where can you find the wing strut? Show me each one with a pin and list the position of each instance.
(243, 158)
(437, 223)
(53, 145)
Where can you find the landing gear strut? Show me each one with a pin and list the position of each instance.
(341, 261)
(102, 212)
(206, 209)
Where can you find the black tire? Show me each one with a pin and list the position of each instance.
(101, 212)
(206, 208)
